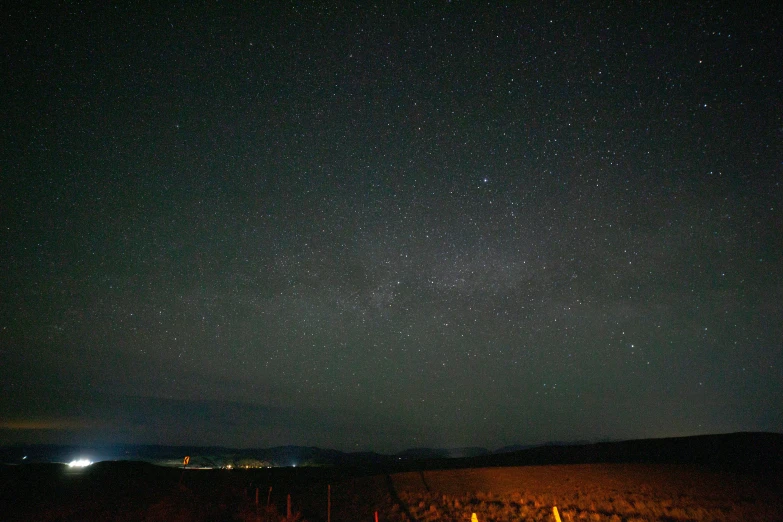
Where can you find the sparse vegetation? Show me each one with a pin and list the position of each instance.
(588, 492)
(599, 492)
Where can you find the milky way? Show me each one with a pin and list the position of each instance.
(374, 228)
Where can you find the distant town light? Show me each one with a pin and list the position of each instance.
(81, 463)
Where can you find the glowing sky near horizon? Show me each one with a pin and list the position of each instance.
(373, 229)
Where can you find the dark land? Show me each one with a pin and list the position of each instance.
(713, 477)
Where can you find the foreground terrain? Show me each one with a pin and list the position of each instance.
(614, 492)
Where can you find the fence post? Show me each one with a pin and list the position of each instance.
(557, 515)
(329, 503)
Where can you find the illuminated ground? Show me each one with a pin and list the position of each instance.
(613, 492)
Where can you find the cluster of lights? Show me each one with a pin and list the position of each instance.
(81, 463)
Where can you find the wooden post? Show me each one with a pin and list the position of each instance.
(256, 497)
(185, 462)
(329, 503)
(269, 497)
(288, 507)
(557, 515)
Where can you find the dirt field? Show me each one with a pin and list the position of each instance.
(594, 492)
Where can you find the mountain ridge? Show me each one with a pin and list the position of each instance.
(761, 451)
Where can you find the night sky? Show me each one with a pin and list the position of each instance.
(375, 227)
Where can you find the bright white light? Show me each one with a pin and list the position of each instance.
(81, 463)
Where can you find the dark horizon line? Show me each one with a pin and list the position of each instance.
(507, 448)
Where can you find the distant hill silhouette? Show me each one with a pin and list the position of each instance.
(441, 453)
(761, 452)
(756, 452)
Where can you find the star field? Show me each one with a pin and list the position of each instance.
(379, 228)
